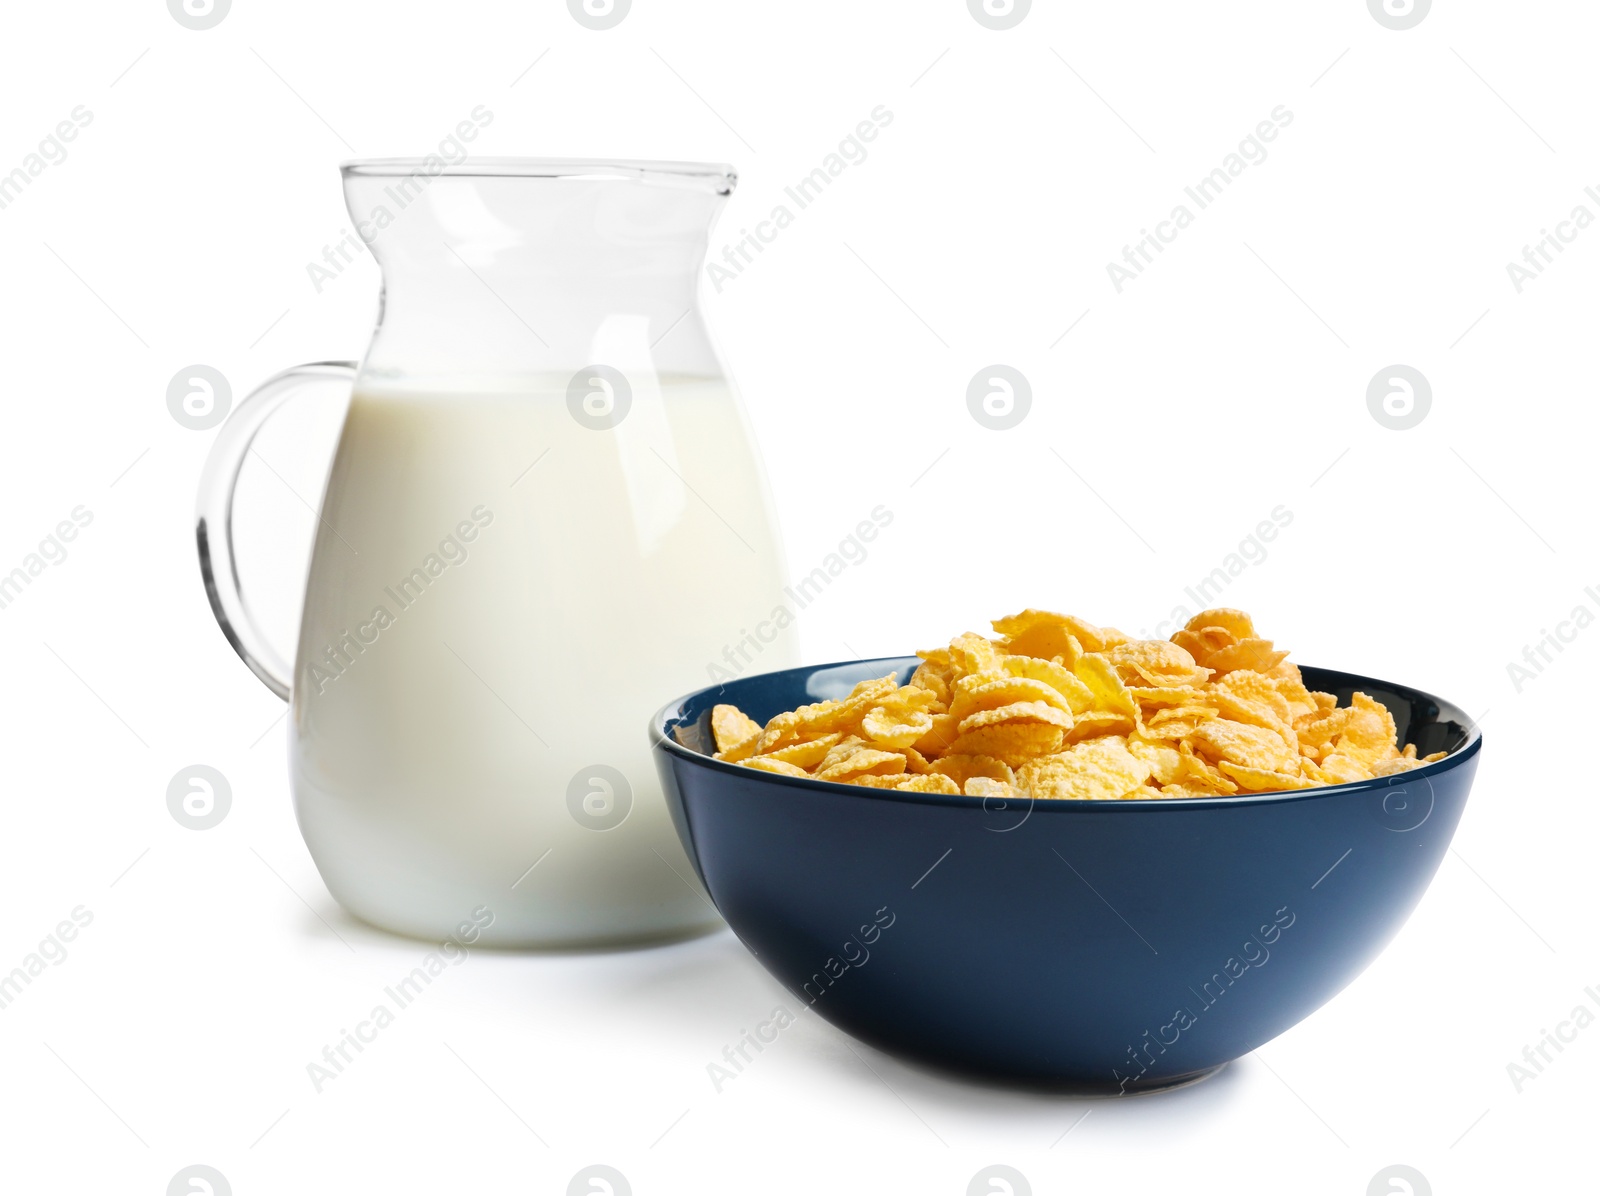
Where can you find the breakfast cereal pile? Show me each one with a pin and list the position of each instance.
(1058, 708)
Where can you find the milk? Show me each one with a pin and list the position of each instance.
(500, 597)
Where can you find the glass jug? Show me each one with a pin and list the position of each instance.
(545, 518)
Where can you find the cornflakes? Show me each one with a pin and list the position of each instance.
(1057, 708)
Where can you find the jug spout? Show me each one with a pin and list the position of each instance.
(522, 266)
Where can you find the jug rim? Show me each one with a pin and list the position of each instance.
(716, 175)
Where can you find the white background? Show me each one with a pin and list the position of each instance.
(1226, 380)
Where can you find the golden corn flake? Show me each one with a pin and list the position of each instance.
(1110, 694)
(971, 653)
(897, 728)
(1220, 739)
(1246, 654)
(987, 691)
(1092, 724)
(1018, 712)
(732, 727)
(1259, 780)
(1077, 696)
(1193, 771)
(1156, 663)
(1165, 761)
(940, 736)
(1235, 622)
(963, 768)
(1101, 768)
(768, 764)
(806, 755)
(895, 780)
(865, 762)
(1194, 714)
(1174, 695)
(933, 679)
(1058, 708)
(1011, 742)
(985, 787)
(1047, 631)
(841, 751)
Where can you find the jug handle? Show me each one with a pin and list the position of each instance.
(214, 515)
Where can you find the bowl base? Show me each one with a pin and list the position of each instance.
(1076, 1088)
(1196, 1077)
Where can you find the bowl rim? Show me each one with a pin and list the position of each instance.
(661, 741)
(718, 176)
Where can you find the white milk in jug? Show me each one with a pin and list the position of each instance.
(503, 591)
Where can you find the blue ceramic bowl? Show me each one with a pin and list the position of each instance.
(1098, 946)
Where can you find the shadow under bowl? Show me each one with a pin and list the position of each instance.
(1090, 946)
